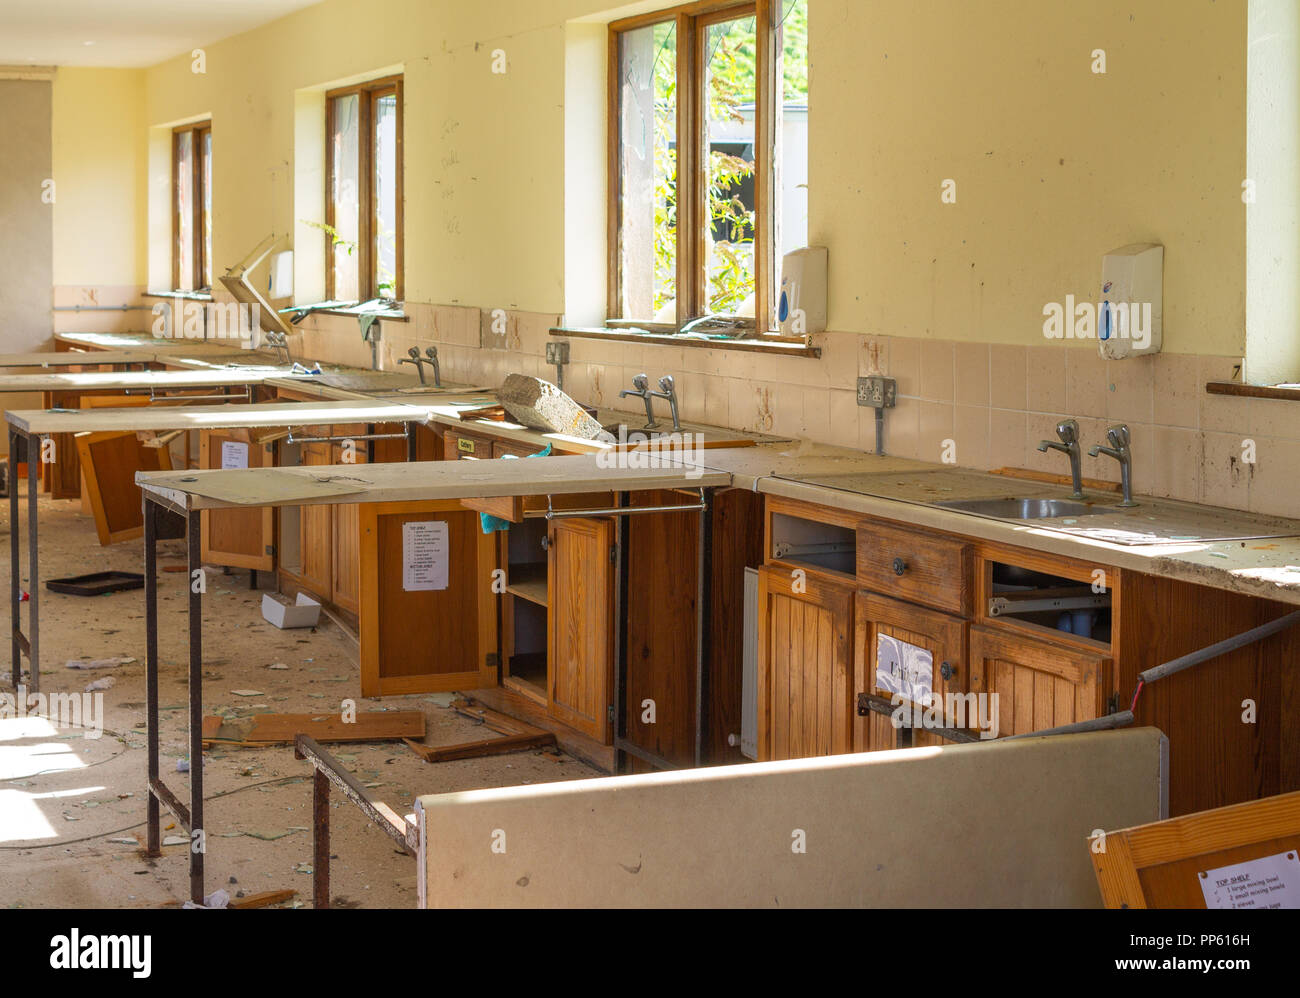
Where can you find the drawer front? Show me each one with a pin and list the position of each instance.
(500, 448)
(891, 633)
(458, 446)
(920, 568)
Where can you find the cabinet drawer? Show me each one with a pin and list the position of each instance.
(891, 633)
(458, 446)
(917, 567)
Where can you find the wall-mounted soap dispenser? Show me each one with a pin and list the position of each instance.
(1129, 309)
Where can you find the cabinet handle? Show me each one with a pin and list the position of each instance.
(946, 670)
(900, 566)
(546, 542)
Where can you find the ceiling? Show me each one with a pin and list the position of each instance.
(124, 33)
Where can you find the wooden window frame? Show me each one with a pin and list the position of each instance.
(199, 248)
(693, 19)
(367, 93)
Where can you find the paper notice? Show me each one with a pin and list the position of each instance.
(424, 555)
(234, 454)
(1268, 882)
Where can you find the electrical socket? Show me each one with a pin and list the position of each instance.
(877, 392)
(557, 352)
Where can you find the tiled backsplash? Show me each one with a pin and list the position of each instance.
(993, 402)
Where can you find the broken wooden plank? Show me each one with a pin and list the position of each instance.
(483, 747)
(281, 729)
(261, 900)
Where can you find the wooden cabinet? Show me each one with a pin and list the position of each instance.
(416, 639)
(805, 664)
(1038, 683)
(239, 538)
(580, 626)
(885, 626)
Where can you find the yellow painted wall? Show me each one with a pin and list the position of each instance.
(1054, 164)
(99, 153)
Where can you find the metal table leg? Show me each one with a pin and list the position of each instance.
(33, 571)
(198, 837)
(153, 830)
(15, 583)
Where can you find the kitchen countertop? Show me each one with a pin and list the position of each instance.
(890, 487)
(1268, 568)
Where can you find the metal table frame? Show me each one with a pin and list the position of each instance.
(191, 817)
(29, 644)
(29, 444)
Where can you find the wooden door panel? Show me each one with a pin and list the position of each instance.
(316, 525)
(345, 566)
(580, 627)
(238, 538)
(425, 641)
(941, 635)
(109, 462)
(806, 672)
(1038, 684)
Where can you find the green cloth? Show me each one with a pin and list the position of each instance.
(490, 524)
(366, 321)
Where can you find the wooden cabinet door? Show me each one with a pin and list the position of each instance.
(890, 624)
(580, 625)
(345, 565)
(109, 461)
(316, 525)
(416, 639)
(805, 665)
(1038, 683)
(239, 538)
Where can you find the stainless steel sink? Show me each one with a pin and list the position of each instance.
(1023, 509)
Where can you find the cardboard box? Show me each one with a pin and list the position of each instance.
(304, 612)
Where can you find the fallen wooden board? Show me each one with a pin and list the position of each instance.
(518, 736)
(281, 729)
(483, 747)
(263, 899)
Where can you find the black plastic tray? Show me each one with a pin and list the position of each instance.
(96, 583)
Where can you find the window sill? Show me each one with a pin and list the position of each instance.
(186, 295)
(788, 348)
(1253, 391)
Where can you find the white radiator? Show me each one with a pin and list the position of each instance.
(749, 674)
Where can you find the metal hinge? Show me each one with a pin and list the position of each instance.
(492, 660)
(609, 712)
(1112, 704)
(270, 549)
(613, 553)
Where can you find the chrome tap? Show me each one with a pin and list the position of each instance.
(1068, 431)
(1120, 450)
(279, 342)
(415, 358)
(667, 391)
(432, 354)
(641, 384)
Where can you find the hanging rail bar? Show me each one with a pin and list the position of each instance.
(1104, 723)
(291, 439)
(1220, 648)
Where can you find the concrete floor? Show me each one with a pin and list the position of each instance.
(64, 796)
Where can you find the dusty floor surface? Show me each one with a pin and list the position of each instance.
(65, 797)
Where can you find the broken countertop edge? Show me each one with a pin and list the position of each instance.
(425, 481)
(1233, 566)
